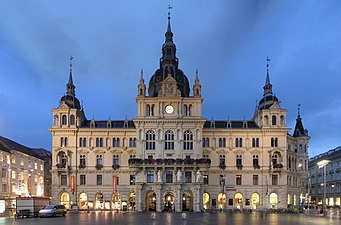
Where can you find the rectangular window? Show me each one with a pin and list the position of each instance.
(41, 167)
(132, 179)
(150, 176)
(205, 179)
(169, 177)
(255, 179)
(99, 179)
(82, 180)
(188, 176)
(4, 187)
(3, 172)
(238, 179)
(274, 179)
(63, 179)
(35, 166)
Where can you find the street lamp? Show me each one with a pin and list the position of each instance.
(323, 164)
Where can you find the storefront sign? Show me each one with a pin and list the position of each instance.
(73, 184)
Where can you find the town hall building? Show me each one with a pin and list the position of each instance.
(169, 157)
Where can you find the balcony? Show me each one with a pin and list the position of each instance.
(203, 162)
(277, 167)
(82, 166)
(222, 166)
(115, 167)
(61, 165)
(256, 166)
(99, 167)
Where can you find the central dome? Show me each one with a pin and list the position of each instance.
(156, 80)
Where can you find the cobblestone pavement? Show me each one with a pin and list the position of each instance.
(134, 218)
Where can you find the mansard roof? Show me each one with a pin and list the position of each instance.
(219, 124)
(113, 124)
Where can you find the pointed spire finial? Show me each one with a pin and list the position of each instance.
(141, 77)
(298, 110)
(267, 71)
(196, 74)
(169, 27)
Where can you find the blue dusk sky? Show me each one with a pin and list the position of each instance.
(226, 40)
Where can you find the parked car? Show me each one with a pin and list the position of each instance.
(52, 210)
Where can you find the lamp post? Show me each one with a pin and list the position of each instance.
(323, 164)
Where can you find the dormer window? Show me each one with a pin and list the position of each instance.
(244, 124)
(109, 124)
(229, 125)
(125, 125)
(92, 124)
(212, 125)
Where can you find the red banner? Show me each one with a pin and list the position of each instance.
(114, 184)
(73, 184)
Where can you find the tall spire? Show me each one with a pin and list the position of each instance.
(267, 87)
(298, 110)
(168, 48)
(70, 88)
(299, 129)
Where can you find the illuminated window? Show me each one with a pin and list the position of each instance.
(35, 166)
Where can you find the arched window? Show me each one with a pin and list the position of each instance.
(273, 198)
(84, 142)
(169, 140)
(64, 121)
(274, 142)
(66, 142)
(62, 142)
(99, 160)
(239, 162)
(189, 110)
(186, 109)
(72, 120)
(64, 199)
(222, 142)
(150, 140)
(266, 120)
(282, 121)
(55, 120)
(255, 200)
(188, 140)
(274, 120)
(61, 158)
(239, 142)
(116, 160)
(147, 110)
(97, 142)
(222, 160)
(82, 160)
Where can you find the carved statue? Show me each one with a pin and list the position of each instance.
(159, 176)
(179, 176)
(199, 177)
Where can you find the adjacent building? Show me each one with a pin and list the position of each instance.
(22, 174)
(332, 158)
(169, 157)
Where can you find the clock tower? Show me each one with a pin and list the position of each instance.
(169, 108)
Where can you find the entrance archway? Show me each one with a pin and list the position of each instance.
(273, 200)
(132, 201)
(83, 201)
(206, 200)
(150, 201)
(238, 200)
(187, 201)
(255, 200)
(116, 201)
(99, 201)
(222, 201)
(168, 201)
(64, 199)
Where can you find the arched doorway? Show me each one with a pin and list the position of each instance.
(222, 201)
(83, 201)
(150, 201)
(99, 201)
(132, 201)
(116, 201)
(255, 200)
(273, 200)
(238, 200)
(206, 200)
(187, 201)
(168, 201)
(64, 199)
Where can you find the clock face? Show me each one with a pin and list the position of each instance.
(169, 109)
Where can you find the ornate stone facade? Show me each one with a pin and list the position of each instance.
(171, 158)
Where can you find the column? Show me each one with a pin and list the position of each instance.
(139, 197)
(178, 201)
(158, 197)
